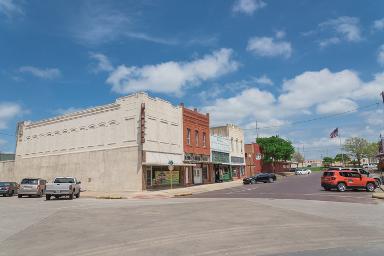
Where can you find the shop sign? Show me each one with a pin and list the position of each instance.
(164, 178)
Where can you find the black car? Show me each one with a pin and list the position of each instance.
(262, 177)
(8, 188)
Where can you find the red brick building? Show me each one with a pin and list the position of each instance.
(253, 160)
(196, 139)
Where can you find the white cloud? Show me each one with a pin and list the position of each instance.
(100, 24)
(103, 63)
(269, 47)
(378, 24)
(310, 88)
(172, 77)
(10, 8)
(342, 29)
(380, 55)
(264, 80)
(336, 106)
(280, 34)
(248, 6)
(7, 112)
(44, 73)
(329, 41)
(250, 103)
(370, 90)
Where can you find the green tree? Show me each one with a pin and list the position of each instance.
(275, 149)
(372, 150)
(327, 161)
(342, 157)
(298, 157)
(356, 148)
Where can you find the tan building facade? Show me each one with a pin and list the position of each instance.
(236, 137)
(123, 146)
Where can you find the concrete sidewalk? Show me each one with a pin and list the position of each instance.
(166, 193)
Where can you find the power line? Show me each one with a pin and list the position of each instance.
(316, 118)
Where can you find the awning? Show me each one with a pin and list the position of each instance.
(162, 164)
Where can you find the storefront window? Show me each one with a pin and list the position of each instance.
(162, 176)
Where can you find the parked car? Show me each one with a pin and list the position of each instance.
(32, 187)
(345, 179)
(262, 177)
(365, 172)
(370, 167)
(8, 188)
(63, 186)
(303, 172)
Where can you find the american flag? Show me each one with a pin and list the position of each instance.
(335, 133)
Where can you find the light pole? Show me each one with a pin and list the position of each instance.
(170, 168)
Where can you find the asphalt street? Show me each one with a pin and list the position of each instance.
(305, 187)
(193, 226)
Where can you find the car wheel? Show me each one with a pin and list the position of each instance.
(253, 182)
(19, 196)
(71, 196)
(78, 195)
(378, 182)
(270, 180)
(371, 187)
(48, 197)
(57, 197)
(11, 194)
(341, 187)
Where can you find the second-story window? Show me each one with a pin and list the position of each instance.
(204, 140)
(188, 136)
(197, 138)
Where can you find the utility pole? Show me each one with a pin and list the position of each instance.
(257, 132)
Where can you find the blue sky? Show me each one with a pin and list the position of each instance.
(241, 60)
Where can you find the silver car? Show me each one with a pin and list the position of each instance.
(32, 187)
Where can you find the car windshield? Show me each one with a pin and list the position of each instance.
(29, 181)
(64, 180)
(3, 184)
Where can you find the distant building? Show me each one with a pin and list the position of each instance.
(197, 148)
(220, 157)
(236, 137)
(7, 156)
(253, 159)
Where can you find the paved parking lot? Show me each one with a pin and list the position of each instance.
(249, 220)
(189, 226)
(305, 187)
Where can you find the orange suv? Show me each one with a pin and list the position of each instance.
(343, 180)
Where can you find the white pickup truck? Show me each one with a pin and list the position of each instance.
(63, 186)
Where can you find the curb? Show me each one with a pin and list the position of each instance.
(181, 195)
(378, 195)
(110, 197)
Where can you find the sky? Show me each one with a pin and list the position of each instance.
(297, 68)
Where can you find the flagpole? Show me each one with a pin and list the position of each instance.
(342, 155)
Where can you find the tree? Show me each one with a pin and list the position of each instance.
(342, 158)
(356, 147)
(327, 161)
(275, 149)
(372, 150)
(298, 157)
